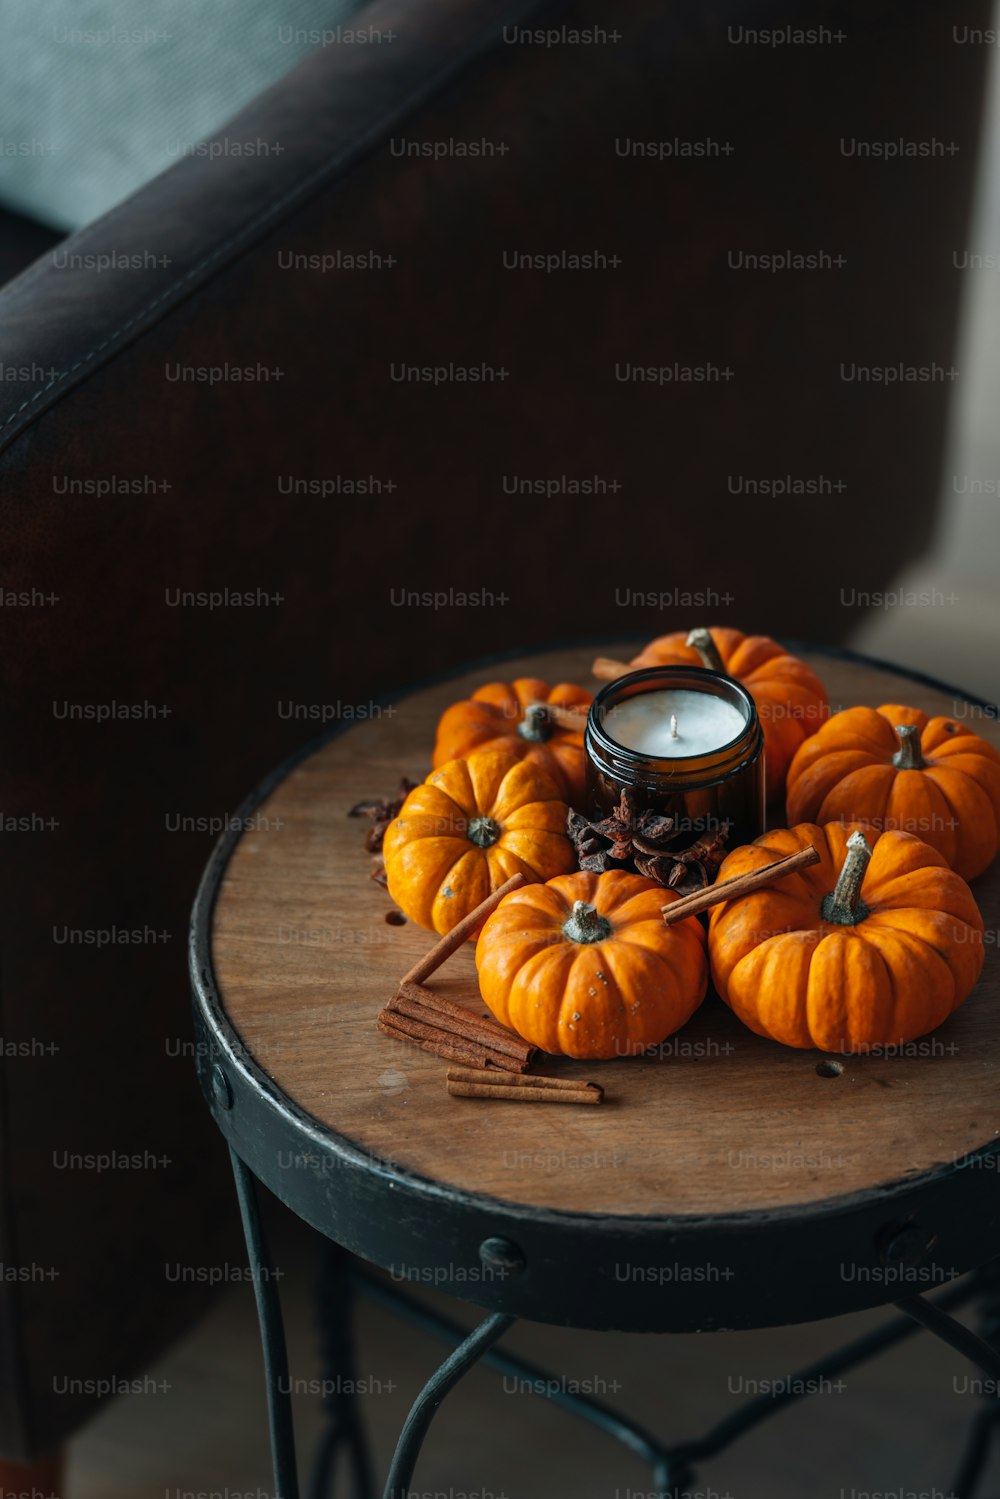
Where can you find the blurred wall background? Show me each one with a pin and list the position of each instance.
(948, 620)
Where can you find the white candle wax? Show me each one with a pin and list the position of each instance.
(645, 723)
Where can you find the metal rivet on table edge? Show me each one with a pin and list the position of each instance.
(221, 1090)
(905, 1245)
(502, 1256)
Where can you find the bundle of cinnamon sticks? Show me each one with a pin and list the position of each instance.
(448, 1030)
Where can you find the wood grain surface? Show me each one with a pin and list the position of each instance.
(721, 1121)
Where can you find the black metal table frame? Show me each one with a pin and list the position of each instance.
(370, 1209)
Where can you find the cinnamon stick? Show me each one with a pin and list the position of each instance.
(523, 1095)
(609, 670)
(566, 717)
(519, 1080)
(452, 1049)
(740, 884)
(452, 941)
(440, 1043)
(433, 1009)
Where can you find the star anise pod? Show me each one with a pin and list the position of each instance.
(652, 833)
(658, 867)
(382, 810)
(696, 866)
(591, 854)
(643, 843)
(617, 839)
(618, 828)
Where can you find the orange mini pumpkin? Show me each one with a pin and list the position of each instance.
(511, 716)
(846, 955)
(584, 965)
(791, 700)
(894, 767)
(470, 826)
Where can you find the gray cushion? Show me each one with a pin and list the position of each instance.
(98, 96)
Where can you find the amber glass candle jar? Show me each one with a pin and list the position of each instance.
(701, 790)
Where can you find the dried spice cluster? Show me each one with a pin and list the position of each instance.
(649, 844)
(381, 810)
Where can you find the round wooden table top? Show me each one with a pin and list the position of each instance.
(723, 1123)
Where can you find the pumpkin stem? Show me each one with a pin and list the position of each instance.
(536, 724)
(908, 756)
(844, 906)
(702, 642)
(483, 831)
(586, 924)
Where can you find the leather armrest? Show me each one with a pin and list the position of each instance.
(103, 286)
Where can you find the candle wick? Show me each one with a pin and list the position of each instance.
(673, 725)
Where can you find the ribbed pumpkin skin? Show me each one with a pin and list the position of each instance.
(588, 1000)
(845, 773)
(791, 700)
(897, 974)
(436, 874)
(490, 719)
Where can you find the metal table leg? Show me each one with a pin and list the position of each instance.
(425, 1406)
(344, 1434)
(272, 1335)
(279, 1404)
(983, 1354)
(985, 1426)
(954, 1333)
